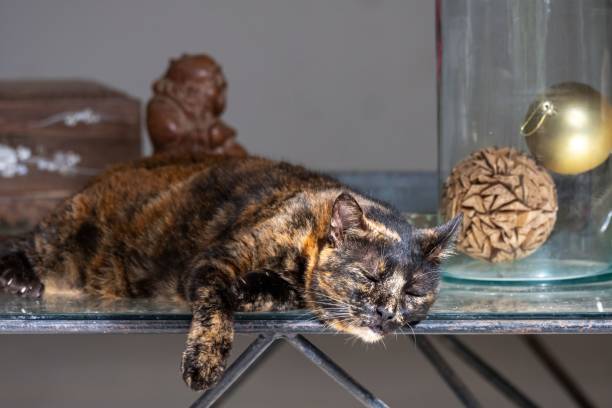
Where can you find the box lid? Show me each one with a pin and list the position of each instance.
(55, 89)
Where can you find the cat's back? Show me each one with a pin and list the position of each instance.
(167, 170)
(144, 199)
(215, 177)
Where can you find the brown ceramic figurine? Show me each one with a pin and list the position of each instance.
(184, 113)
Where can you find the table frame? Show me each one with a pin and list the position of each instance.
(269, 332)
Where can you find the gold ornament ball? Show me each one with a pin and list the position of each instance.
(569, 128)
(509, 204)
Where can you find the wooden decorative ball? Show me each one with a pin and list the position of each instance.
(509, 204)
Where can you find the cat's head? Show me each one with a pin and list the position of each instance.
(376, 272)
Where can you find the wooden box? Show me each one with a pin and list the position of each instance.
(54, 136)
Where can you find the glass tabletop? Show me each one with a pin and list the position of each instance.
(456, 301)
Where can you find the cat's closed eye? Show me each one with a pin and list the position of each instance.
(372, 276)
(414, 292)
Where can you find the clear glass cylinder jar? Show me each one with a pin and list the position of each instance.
(533, 76)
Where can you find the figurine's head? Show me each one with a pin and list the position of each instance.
(196, 83)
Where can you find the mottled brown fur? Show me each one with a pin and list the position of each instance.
(228, 234)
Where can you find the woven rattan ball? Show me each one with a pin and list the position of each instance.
(509, 204)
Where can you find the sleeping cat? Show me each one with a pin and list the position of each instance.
(233, 234)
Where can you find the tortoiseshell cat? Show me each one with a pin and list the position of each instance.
(229, 234)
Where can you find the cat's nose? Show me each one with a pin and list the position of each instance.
(384, 314)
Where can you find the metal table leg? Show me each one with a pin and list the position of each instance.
(487, 372)
(253, 352)
(447, 373)
(263, 342)
(553, 366)
(326, 364)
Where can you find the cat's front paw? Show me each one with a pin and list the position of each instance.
(202, 370)
(18, 278)
(205, 357)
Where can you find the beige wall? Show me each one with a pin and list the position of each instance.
(342, 84)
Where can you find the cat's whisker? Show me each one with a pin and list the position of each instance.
(317, 294)
(413, 334)
(340, 310)
(352, 339)
(427, 274)
(340, 301)
(311, 319)
(342, 317)
(331, 303)
(327, 296)
(337, 311)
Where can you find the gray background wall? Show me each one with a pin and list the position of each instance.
(332, 84)
(335, 84)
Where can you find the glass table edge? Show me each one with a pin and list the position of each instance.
(253, 326)
(298, 316)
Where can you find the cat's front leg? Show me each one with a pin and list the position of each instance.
(213, 301)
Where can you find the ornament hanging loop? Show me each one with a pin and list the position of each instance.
(536, 118)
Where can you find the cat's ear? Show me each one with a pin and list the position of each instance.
(347, 218)
(438, 243)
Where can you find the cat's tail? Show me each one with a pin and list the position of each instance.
(17, 276)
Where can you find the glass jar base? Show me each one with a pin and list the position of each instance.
(528, 271)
